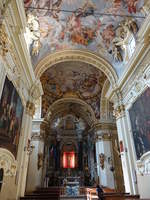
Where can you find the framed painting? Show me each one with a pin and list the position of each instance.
(140, 123)
(11, 111)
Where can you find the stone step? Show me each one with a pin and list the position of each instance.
(79, 197)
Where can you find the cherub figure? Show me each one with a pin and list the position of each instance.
(131, 5)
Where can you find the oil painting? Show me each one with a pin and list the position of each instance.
(140, 123)
(11, 110)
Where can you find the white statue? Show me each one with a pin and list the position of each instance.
(34, 28)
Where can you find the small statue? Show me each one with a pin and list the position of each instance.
(102, 160)
(116, 53)
(40, 160)
(34, 28)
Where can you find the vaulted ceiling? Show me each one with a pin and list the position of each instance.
(99, 26)
(73, 79)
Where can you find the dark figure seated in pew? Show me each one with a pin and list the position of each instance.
(99, 191)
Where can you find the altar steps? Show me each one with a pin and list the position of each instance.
(51, 193)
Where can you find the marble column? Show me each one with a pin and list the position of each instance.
(125, 148)
(104, 159)
(34, 178)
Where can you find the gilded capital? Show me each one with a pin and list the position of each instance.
(104, 137)
(119, 111)
(30, 108)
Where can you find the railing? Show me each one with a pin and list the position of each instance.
(88, 192)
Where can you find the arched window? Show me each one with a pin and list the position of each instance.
(1, 178)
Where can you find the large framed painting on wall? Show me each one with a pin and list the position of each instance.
(140, 123)
(11, 111)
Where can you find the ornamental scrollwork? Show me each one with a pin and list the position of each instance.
(7, 162)
(119, 111)
(30, 108)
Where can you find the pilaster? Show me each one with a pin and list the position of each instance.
(104, 156)
(23, 155)
(34, 178)
(128, 165)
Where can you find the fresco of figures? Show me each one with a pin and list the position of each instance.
(82, 27)
(75, 79)
(140, 122)
(11, 110)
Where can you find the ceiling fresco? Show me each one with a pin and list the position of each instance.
(78, 24)
(73, 79)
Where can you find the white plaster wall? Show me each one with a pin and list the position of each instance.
(110, 176)
(105, 175)
(34, 177)
(121, 129)
(144, 186)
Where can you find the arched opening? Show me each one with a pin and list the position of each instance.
(73, 85)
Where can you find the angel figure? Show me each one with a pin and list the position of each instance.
(116, 53)
(131, 24)
(34, 28)
(56, 9)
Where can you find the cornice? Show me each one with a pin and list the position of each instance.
(142, 48)
(103, 137)
(104, 125)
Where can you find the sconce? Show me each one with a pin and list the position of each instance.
(29, 148)
(110, 162)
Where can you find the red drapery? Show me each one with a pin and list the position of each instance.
(69, 160)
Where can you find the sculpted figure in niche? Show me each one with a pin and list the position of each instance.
(121, 39)
(34, 28)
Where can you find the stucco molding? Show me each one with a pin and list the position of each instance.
(77, 55)
(8, 162)
(140, 84)
(87, 112)
(143, 165)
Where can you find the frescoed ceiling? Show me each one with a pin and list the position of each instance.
(100, 26)
(72, 79)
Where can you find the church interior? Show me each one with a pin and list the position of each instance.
(74, 99)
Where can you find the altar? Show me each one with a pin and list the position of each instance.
(71, 186)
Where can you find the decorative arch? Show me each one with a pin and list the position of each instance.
(8, 162)
(90, 115)
(104, 108)
(77, 55)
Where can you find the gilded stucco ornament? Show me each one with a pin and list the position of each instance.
(5, 44)
(3, 7)
(119, 111)
(7, 162)
(36, 90)
(143, 165)
(140, 83)
(30, 108)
